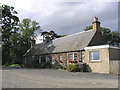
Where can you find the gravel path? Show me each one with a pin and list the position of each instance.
(48, 78)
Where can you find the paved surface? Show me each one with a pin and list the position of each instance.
(44, 78)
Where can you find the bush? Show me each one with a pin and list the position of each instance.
(73, 68)
(46, 65)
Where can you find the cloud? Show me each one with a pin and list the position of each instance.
(67, 17)
(73, 17)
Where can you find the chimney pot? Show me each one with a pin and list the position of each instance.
(95, 19)
(96, 25)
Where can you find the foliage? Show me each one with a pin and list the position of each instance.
(9, 27)
(16, 36)
(46, 65)
(112, 38)
(27, 29)
(73, 68)
(52, 34)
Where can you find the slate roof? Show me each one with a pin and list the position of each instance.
(72, 42)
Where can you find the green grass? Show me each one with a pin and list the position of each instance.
(12, 65)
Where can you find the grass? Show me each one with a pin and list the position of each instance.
(12, 65)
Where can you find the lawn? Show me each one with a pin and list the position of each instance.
(12, 65)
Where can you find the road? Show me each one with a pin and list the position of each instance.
(49, 78)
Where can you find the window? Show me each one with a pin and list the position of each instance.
(53, 59)
(75, 56)
(39, 59)
(95, 56)
(60, 57)
(46, 58)
(72, 56)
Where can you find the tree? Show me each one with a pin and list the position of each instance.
(16, 36)
(52, 34)
(112, 38)
(9, 25)
(27, 29)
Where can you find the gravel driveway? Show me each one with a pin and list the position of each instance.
(49, 78)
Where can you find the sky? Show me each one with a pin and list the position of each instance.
(67, 17)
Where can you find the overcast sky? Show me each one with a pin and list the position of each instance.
(67, 17)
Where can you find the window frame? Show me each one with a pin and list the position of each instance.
(94, 60)
(47, 58)
(53, 60)
(73, 56)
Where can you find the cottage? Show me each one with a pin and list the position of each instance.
(84, 47)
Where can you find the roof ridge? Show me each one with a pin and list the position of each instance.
(73, 34)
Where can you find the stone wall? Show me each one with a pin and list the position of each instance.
(35, 59)
(101, 66)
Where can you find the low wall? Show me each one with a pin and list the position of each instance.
(114, 67)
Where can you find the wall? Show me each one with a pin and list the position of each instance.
(114, 66)
(34, 60)
(114, 60)
(101, 66)
(65, 57)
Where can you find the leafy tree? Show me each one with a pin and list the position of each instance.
(112, 38)
(52, 34)
(28, 29)
(15, 36)
(9, 25)
(115, 38)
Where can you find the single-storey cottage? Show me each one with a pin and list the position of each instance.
(84, 47)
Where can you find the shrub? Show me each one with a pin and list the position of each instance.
(46, 65)
(73, 68)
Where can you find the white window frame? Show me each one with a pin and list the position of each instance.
(73, 54)
(95, 60)
(39, 59)
(53, 59)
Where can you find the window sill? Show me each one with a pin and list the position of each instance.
(95, 61)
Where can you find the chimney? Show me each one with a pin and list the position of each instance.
(96, 25)
(32, 42)
(47, 38)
